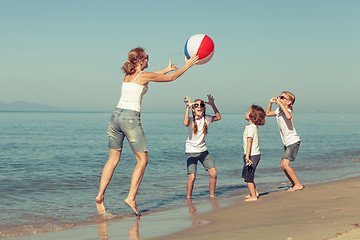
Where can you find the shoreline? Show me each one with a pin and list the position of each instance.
(319, 211)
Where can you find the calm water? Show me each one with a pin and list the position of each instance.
(51, 163)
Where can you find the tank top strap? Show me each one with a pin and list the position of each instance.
(137, 76)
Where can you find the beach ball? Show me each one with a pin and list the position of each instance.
(201, 45)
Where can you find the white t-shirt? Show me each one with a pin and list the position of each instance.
(196, 142)
(253, 132)
(286, 127)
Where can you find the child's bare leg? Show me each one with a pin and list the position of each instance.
(290, 173)
(212, 181)
(252, 190)
(107, 173)
(288, 176)
(190, 185)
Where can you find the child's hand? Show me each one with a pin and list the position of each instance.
(211, 100)
(187, 101)
(273, 99)
(248, 162)
(279, 102)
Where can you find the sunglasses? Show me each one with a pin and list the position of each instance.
(197, 105)
(146, 57)
(282, 97)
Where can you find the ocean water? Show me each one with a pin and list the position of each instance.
(51, 164)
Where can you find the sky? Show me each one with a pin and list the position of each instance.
(69, 53)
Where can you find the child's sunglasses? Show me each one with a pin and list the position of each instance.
(282, 97)
(197, 105)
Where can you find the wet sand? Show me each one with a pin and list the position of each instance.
(318, 212)
(322, 211)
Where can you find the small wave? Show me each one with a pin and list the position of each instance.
(8, 230)
(15, 231)
(356, 159)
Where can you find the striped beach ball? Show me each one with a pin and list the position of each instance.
(201, 45)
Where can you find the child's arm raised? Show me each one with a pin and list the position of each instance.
(188, 106)
(284, 108)
(270, 113)
(211, 102)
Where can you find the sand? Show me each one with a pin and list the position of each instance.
(318, 212)
(322, 211)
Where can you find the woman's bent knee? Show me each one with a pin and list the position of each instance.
(142, 158)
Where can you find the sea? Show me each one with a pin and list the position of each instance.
(51, 164)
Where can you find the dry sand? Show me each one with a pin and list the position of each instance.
(322, 211)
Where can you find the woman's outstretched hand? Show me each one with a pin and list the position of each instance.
(171, 66)
(191, 61)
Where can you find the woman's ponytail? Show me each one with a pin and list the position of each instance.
(134, 56)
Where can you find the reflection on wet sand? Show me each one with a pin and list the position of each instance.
(192, 209)
(133, 232)
(215, 204)
(103, 231)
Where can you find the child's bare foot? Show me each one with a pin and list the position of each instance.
(213, 196)
(295, 188)
(251, 199)
(248, 196)
(99, 200)
(132, 204)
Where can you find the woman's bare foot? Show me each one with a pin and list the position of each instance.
(251, 199)
(132, 204)
(295, 188)
(100, 205)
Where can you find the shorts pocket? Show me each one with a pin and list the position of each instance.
(130, 123)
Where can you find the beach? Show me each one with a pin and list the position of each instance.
(322, 211)
(327, 211)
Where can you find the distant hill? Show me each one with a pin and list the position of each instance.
(26, 106)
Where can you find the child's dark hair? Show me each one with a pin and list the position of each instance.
(205, 127)
(257, 115)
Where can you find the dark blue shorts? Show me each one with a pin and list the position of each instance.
(248, 172)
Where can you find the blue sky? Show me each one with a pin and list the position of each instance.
(69, 53)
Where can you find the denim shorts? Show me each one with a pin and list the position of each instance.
(248, 172)
(126, 123)
(203, 157)
(291, 151)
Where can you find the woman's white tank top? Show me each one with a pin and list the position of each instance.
(131, 95)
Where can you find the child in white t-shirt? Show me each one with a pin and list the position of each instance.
(195, 148)
(288, 134)
(256, 116)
